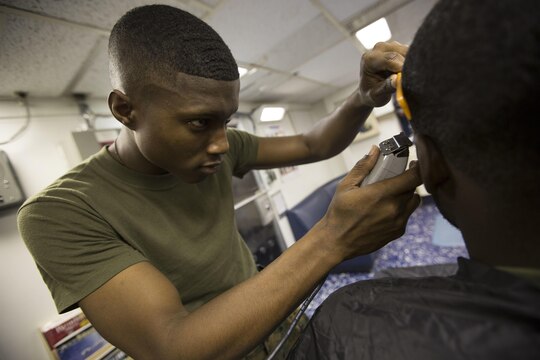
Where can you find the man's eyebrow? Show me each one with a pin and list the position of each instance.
(206, 113)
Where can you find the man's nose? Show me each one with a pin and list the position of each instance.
(219, 143)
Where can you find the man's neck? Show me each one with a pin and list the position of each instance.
(126, 152)
(498, 234)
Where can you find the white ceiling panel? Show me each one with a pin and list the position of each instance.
(334, 65)
(99, 13)
(312, 39)
(269, 81)
(263, 87)
(40, 57)
(295, 88)
(313, 96)
(404, 22)
(252, 79)
(95, 80)
(212, 3)
(252, 27)
(345, 9)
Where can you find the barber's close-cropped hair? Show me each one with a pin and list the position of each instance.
(158, 41)
(472, 81)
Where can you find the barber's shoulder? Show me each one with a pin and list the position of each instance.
(80, 177)
(241, 141)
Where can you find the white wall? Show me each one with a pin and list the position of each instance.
(306, 178)
(39, 155)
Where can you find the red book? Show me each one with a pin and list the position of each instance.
(56, 331)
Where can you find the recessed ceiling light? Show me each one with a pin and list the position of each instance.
(373, 33)
(272, 113)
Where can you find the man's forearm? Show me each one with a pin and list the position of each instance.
(334, 133)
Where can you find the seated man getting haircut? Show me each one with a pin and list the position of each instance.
(471, 86)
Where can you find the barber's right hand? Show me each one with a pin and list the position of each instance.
(361, 220)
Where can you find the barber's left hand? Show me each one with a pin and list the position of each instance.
(378, 69)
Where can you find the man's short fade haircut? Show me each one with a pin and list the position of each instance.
(472, 79)
(158, 41)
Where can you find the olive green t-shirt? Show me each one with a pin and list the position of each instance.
(102, 217)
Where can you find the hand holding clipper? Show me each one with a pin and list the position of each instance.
(392, 161)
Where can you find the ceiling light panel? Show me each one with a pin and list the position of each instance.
(272, 113)
(373, 33)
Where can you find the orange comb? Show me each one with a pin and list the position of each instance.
(401, 99)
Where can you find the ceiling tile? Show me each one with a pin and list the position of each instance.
(212, 3)
(95, 81)
(313, 96)
(293, 86)
(250, 80)
(345, 9)
(262, 87)
(100, 13)
(312, 39)
(40, 57)
(405, 22)
(252, 27)
(297, 90)
(335, 65)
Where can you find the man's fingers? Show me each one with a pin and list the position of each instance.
(377, 62)
(397, 185)
(382, 90)
(411, 204)
(362, 168)
(400, 184)
(392, 46)
(385, 56)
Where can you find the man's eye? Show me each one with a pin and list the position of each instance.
(199, 123)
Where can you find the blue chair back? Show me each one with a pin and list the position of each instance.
(310, 210)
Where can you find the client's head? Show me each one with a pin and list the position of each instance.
(471, 79)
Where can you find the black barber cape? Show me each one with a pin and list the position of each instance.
(478, 313)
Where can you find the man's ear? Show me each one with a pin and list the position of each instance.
(121, 108)
(433, 166)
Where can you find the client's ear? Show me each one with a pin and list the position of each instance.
(433, 167)
(121, 108)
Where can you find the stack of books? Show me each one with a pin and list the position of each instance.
(72, 337)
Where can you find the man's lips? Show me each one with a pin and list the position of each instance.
(211, 168)
(212, 164)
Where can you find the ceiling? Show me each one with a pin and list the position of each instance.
(299, 51)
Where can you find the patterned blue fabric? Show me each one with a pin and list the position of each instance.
(414, 248)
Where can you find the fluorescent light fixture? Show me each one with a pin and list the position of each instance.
(272, 113)
(373, 33)
(242, 71)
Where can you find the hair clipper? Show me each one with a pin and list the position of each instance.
(392, 161)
